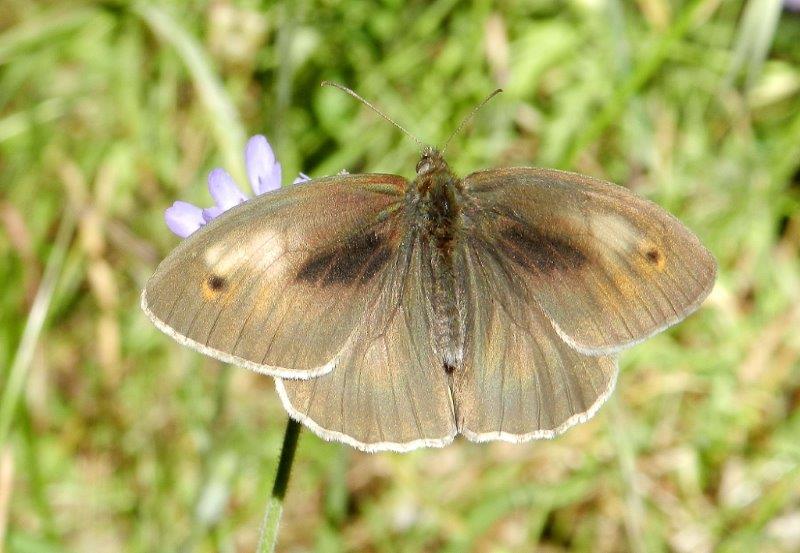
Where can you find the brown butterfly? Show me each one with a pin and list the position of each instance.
(397, 314)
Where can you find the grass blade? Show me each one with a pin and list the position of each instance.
(33, 327)
(225, 121)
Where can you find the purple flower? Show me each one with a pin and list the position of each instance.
(263, 172)
(184, 218)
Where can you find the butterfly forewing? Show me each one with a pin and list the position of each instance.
(279, 284)
(607, 268)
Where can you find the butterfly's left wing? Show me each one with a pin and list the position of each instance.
(279, 283)
(388, 392)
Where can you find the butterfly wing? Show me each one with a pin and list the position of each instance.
(389, 391)
(520, 381)
(280, 283)
(607, 268)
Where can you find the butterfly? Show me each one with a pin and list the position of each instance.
(397, 314)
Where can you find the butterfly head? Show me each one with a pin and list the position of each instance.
(431, 161)
(435, 181)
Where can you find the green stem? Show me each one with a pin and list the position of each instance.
(272, 518)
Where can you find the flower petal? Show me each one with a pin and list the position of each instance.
(224, 190)
(184, 218)
(263, 171)
(302, 177)
(212, 212)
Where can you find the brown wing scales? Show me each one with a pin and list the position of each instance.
(606, 267)
(388, 392)
(358, 258)
(279, 283)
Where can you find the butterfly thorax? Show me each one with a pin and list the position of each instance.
(437, 190)
(436, 194)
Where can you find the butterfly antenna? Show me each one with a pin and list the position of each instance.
(373, 108)
(469, 117)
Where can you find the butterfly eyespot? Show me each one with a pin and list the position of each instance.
(216, 282)
(654, 257)
(213, 285)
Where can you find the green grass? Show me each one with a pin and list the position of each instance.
(116, 438)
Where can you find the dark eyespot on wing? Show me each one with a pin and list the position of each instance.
(360, 258)
(213, 286)
(534, 248)
(216, 282)
(654, 257)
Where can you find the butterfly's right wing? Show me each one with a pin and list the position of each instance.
(520, 381)
(607, 268)
(280, 283)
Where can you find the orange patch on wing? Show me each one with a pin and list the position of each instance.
(623, 284)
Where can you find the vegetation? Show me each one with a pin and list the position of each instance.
(115, 438)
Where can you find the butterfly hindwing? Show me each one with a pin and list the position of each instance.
(519, 381)
(389, 391)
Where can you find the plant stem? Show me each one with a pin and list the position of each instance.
(272, 518)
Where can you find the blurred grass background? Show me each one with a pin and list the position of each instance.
(121, 440)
